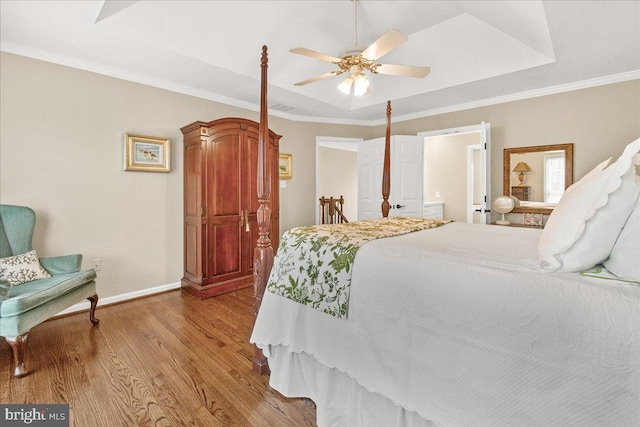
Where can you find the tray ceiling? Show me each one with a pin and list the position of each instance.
(477, 50)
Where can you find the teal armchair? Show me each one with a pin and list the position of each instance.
(24, 306)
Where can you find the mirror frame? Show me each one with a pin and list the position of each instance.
(506, 171)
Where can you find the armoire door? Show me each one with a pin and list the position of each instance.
(224, 206)
(193, 231)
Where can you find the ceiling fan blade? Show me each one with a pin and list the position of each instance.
(320, 77)
(314, 54)
(385, 44)
(403, 70)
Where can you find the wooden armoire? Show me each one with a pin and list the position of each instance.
(220, 204)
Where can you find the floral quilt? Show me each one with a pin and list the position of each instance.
(314, 264)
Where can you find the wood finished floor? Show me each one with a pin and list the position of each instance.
(165, 360)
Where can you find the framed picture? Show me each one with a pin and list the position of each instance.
(146, 154)
(284, 166)
(532, 219)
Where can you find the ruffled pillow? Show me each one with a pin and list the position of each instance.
(624, 260)
(585, 224)
(22, 268)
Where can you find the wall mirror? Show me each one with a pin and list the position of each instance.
(537, 176)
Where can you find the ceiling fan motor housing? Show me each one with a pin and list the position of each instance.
(353, 62)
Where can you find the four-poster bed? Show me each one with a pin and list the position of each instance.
(452, 325)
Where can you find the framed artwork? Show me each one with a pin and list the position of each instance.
(284, 166)
(532, 219)
(146, 154)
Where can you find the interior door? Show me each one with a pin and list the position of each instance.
(370, 162)
(484, 212)
(406, 177)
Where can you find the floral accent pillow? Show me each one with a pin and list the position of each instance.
(22, 268)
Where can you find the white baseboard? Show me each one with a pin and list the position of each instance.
(85, 305)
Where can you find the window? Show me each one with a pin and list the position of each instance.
(553, 177)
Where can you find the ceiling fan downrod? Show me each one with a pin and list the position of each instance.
(355, 23)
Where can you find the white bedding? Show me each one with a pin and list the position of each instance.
(451, 323)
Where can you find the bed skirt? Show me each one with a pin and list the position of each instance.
(340, 400)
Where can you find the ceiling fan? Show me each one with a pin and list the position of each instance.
(355, 60)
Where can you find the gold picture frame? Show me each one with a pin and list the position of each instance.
(284, 166)
(147, 153)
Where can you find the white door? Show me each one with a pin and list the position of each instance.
(406, 177)
(484, 211)
(370, 162)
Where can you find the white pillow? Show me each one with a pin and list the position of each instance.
(22, 268)
(624, 260)
(585, 224)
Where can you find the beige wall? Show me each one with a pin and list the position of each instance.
(338, 172)
(61, 153)
(599, 121)
(61, 149)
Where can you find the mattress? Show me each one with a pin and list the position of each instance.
(453, 324)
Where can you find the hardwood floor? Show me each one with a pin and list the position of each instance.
(165, 360)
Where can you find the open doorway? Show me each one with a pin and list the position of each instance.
(456, 172)
(337, 172)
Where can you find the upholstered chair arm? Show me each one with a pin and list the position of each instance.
(4, 289)
(62, 264)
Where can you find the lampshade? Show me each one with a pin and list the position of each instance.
(522, 167)
(345, 86)
(357, 82)
(360, 85)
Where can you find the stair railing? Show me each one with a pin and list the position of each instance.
(331, 210)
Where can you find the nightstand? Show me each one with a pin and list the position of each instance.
(433, 210)
(521, 192)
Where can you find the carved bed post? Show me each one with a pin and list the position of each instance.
(263, 254)
(386, 169)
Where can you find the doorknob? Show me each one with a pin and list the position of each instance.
(400, 206)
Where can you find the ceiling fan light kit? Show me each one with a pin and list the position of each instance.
(357, 82)
(355, 60)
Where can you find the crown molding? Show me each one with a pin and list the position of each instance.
(551, 90)
(22, 50)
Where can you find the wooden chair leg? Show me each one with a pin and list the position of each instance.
(92, 313)
(19, 346)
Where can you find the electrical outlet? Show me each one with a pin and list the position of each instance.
(437, 194)
(96, 264)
